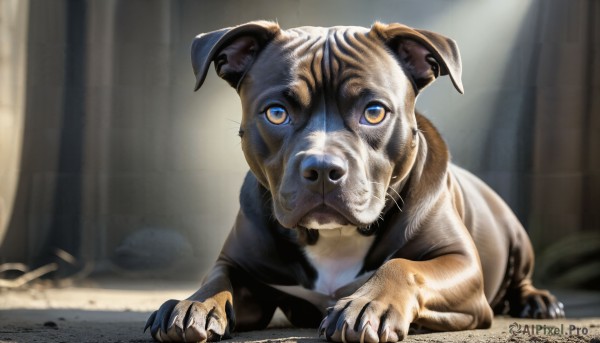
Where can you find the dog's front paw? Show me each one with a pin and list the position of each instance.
(191, 321)
(360, 319)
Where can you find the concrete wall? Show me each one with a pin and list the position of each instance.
(13, 37)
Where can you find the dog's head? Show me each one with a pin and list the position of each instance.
(329, 124)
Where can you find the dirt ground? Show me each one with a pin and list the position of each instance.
(116, 311)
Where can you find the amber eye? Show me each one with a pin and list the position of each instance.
(374, 114)
(276, 115)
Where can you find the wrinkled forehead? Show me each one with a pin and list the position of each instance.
(306, 61)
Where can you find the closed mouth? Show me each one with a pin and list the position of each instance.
(323, 217)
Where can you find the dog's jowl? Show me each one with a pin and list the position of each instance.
(352, 218)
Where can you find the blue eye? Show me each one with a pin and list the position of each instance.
(276, 115)
(373, 114)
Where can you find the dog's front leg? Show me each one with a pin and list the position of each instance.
(444, 293)
(207, 315)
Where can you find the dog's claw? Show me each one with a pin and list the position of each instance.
(214, 327)
(364, 325)
(150, 321)
(163, 326)
(172, 321)
(188, 319)
(321, 329)
(363, 332)
(344, 327)
(557, 309)
(385, 334)
(561, 308)
(159, 336)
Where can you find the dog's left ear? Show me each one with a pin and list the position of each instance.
(233, 50)
(425, 54)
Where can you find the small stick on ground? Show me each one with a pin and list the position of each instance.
(14, 266)
(29, 276)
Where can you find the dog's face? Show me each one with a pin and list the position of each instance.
(328, 120)
(328, 113)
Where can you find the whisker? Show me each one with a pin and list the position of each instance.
(391, 197)
(395, 202)
(399, 196)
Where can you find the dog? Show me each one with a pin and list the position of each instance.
(352, 217)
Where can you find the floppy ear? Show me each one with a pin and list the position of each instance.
(425, 54)
(233, 50)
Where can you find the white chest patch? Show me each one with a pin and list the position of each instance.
(337, 256)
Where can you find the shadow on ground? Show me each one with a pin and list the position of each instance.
(65, 325)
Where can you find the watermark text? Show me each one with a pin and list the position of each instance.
(547, 330)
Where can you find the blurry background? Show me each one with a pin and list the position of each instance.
(111, 164)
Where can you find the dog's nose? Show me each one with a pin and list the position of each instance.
(322, 173)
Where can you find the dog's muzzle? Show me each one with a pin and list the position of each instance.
(319, 195)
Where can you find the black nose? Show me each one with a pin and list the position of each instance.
(322, 173)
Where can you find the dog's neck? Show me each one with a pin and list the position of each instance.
(337, 256)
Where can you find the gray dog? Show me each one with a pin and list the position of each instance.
(352, 215)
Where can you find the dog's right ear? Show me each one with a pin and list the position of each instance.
(232, 49)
